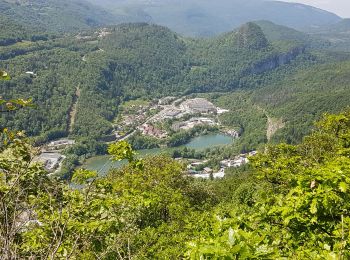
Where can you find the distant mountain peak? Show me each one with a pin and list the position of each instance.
(251, 36)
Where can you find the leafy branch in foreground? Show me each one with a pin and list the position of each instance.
(122, 150)
(301, 212)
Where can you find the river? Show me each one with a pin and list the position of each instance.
(103, 164)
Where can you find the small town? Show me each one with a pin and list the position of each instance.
(199, 110)
(147, 118)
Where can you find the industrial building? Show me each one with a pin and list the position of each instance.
(198, 105)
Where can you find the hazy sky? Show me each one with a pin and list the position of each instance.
(339, 7)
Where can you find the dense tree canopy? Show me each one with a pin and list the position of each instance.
(292, 202)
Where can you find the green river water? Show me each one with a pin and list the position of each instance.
(103, 164)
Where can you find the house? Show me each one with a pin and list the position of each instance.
(208, 170)
(233, 133)
(150, 130)
(60, 144)
(222, 111)
(220, 174)
(239, 161)
(31, 74)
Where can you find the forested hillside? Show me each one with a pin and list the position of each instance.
(13, 32)
(337, 34)
(130, 61)
(78, 82)
(301, 97)
(56, 16)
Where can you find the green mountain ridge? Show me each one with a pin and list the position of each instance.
(137, 60)
(56, 16)
(209, 18)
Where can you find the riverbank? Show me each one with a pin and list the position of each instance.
(102, 164)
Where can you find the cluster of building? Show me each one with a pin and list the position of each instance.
(131, 120)
(102, 33)
(59, 144)
(191, 106)
(135, 115)
(175, 109)
(193, 122)
(169, 113)
(51, 161)
(216, 175)
(171, 108)
(238, 161)
(207, 172)
(51, 156)
(150, 130)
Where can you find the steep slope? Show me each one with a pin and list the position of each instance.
(300, 98)
(206, 17)
(56, 16)
(337, 34)
(232, 60)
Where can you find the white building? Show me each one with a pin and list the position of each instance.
(222, 111)
(31, 74)
(198, 105)
(217, 175)
(60, 144)
(166, 100)
(51, 161)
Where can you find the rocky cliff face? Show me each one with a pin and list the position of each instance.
(275, 61)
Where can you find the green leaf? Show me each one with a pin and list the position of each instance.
(4, 75)
(313, 207)
(81, 176)
(121, 151)
(343, 187)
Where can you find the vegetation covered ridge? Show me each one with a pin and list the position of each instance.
(123, 63)
(293, 201)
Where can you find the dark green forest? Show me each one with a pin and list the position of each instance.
(140, 60)
(65, 74)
